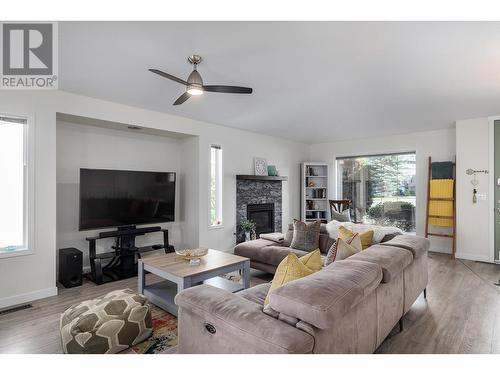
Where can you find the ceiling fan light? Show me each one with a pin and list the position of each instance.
(194, 90)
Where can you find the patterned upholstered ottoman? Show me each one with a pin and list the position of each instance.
(108, 324)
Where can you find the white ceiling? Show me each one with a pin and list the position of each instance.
(312, 81)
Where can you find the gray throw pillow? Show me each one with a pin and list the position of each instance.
(343, 216)
(305, 235)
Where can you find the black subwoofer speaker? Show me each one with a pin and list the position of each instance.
(70, 267)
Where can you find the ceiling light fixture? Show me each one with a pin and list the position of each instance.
(194, 84)
(194, 90)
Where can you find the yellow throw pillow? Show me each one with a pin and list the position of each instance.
(366, 237)
(290, 268)
(312, 260)
(345, 250)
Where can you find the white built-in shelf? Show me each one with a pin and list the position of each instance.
(313, 206)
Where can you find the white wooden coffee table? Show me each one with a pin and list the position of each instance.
(178, 274)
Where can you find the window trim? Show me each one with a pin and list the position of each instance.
(29, 188)
(221, 188)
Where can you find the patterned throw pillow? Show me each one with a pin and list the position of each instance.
(344, 216)
(343, 249)
(305, 235)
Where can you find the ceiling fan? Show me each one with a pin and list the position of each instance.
(194, 84)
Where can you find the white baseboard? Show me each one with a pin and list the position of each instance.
(472, 256)
(27, 297)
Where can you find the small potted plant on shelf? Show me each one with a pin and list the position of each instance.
(248, 227)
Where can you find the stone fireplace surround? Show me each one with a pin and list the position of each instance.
(258, 190)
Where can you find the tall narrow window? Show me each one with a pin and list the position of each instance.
(381, 188)
(13, 185)
(215, 185)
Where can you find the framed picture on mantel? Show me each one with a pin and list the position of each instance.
(260, 166)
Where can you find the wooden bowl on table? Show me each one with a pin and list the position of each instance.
(189, 254)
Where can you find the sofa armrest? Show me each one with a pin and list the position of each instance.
(212, 320)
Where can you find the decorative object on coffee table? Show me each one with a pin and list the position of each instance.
(248, 227)
(179, 275)
(260, 166)
(193, 255)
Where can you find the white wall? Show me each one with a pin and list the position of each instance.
(34, 276)
(29, 277)
(238, 153)
(83, 146)
(473, 220)
(439, 144)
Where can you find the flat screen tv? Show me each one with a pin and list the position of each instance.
(113, 198)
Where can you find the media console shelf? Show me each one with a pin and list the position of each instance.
(122, 262)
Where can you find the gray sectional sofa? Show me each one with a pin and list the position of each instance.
(349, 306)
(265, 255)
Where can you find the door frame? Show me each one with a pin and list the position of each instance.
(491, 187)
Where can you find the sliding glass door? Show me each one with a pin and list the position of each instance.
(381, 188)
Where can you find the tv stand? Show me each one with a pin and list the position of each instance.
(122, 262)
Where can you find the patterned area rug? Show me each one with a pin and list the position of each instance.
(164, 337)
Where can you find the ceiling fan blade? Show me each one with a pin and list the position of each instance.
(169, 76)
(181, 99)
(228, 89)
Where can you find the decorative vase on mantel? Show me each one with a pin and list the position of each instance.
(247, 236)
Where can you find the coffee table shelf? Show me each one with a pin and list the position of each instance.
(179, 275)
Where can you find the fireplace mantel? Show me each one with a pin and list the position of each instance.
(260, 178)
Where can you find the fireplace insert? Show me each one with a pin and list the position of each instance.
(262, 215)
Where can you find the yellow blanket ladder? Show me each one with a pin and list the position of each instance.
(441, 207)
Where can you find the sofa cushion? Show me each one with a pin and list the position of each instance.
(290, 269)
(246, 249)
(272, 255)
(416, 244)
(326, 295)
(265, 252)
(256, 294)
(393, 260)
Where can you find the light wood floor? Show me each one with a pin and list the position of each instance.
(461, 313)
